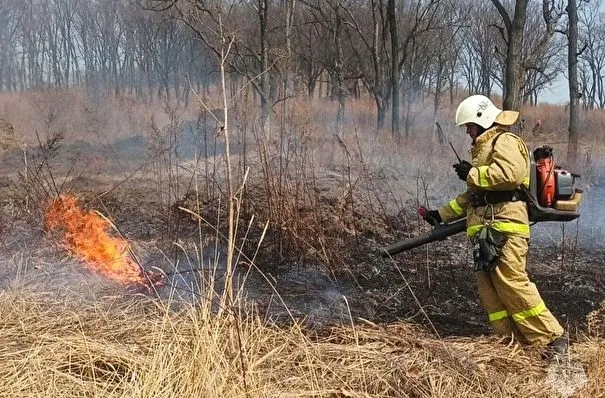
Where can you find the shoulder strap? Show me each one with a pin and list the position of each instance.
(524, 144)
(496, 140)
(501, 134)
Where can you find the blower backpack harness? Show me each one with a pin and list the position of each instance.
(551, 196)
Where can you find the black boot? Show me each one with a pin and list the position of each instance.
(557, 349)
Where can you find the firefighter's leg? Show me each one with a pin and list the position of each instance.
(497, 314)
(520, 296)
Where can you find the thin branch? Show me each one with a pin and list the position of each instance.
(503, 13)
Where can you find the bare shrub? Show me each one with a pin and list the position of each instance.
(7, 135)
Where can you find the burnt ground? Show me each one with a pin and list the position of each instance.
(441, 278)
(432, 285)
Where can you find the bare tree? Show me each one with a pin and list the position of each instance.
(572, 59)
(168, 43)
(479, 66)
(527, 51)
(330, 15)
(10, 25)
(542, 54)
(392, 22)
(537, 79)
(290, 8)
(422, 17)
(591, 32)
(250, 56)
(265, 85)
(479, 63)
(442, 45)
(372, 53)
(309, 49)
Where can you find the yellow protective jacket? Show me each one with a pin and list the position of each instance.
(500, 167)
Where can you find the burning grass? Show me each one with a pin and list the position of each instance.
(86, 235)
(138, 348)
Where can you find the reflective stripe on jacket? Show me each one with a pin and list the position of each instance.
(500, 167)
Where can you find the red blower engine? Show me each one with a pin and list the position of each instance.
(552, 191)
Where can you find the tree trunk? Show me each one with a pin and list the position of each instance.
(572, 58)
(514, 66)
(408, 109)
(290, 6)
(391, 15)
(311, 89)
(339, 71)
(514, 75)
(437, 97)
(381, 112)
(264, 58)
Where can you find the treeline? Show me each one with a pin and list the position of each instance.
(100, 44)
(394, 50)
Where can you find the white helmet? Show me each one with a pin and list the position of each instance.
(481, 110)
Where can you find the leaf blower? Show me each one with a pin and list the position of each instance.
(551, 196)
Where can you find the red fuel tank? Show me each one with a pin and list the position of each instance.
(546, 181)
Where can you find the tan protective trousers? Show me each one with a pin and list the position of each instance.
(512, 302)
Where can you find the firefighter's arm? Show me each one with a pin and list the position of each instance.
(507, 170)
(455, 209)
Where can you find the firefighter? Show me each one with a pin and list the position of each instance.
(537, 129)
(497, 224)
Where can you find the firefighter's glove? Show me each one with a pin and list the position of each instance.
(433, 217)
(462, 169)
(487, 248)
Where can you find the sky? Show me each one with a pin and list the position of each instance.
(558, 93)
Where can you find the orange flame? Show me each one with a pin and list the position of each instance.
(87, 236)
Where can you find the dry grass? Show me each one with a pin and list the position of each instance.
(117, 347)
(592, 353)
(80, 115)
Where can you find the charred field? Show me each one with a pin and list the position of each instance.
(313, 308)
